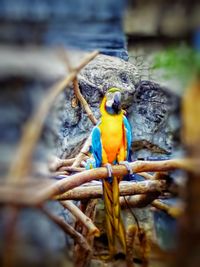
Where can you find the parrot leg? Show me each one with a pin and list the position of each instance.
(109, 169)
(127, 165)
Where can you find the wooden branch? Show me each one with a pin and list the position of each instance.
(56, 163)
(32, 129)
(83, 152)
(130, 236)
(145, 247)
(173, 211)
(58, 173)
(75, 180)
(143, 200)
(21, 194)
(189, 230)
(146, 175)
(27, 196)
(68, 229)
(10, 236)
(156, 176)
(126, 188)
(77, 91)
(139, 200)
(83, 102)
(71, 169)
(87, 222)
(82, 258)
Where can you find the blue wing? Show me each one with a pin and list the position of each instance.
(96, 145)
(128, 136)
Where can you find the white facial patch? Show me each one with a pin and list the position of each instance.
(109, 103)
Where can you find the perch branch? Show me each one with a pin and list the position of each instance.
(126, 188)
(87, 222)
(52, 188)
(75, 180)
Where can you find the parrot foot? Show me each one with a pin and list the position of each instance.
(127, 165)
(109, 169)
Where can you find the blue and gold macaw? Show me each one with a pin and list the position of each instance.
(111, 142)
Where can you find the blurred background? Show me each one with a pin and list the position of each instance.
(154, 46)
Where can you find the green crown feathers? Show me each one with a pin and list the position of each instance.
(113, 90)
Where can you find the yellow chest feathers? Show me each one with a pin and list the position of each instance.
(111, 129)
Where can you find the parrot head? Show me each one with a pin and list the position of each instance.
(113, 101)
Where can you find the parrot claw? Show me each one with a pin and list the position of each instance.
(109, 169)
(127, 165)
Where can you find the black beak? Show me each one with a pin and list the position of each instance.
(117, 103)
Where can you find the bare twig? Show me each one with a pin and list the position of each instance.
(71, 169)
(84, 102)
(173, 211)
(68, 229)
(8, 255)
(130, 236)
(82, 258)
(145, 246)
(56, 163)
(87, 222)
(32, 130)
(83, 152)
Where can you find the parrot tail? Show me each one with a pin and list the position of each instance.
(114, 223)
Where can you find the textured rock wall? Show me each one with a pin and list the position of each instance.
(153, 111)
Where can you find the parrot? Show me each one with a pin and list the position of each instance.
(111, 144)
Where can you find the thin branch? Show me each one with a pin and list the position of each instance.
(173, 211)
(87, 222)
(10, 235)
(130, 236)
(56, 163)
(58, 173)
(32, 130)
(145, 247)
(83, 102)
(71, 169)
(82, 258)
(83, 152)
(68, 229)
(139, 200)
